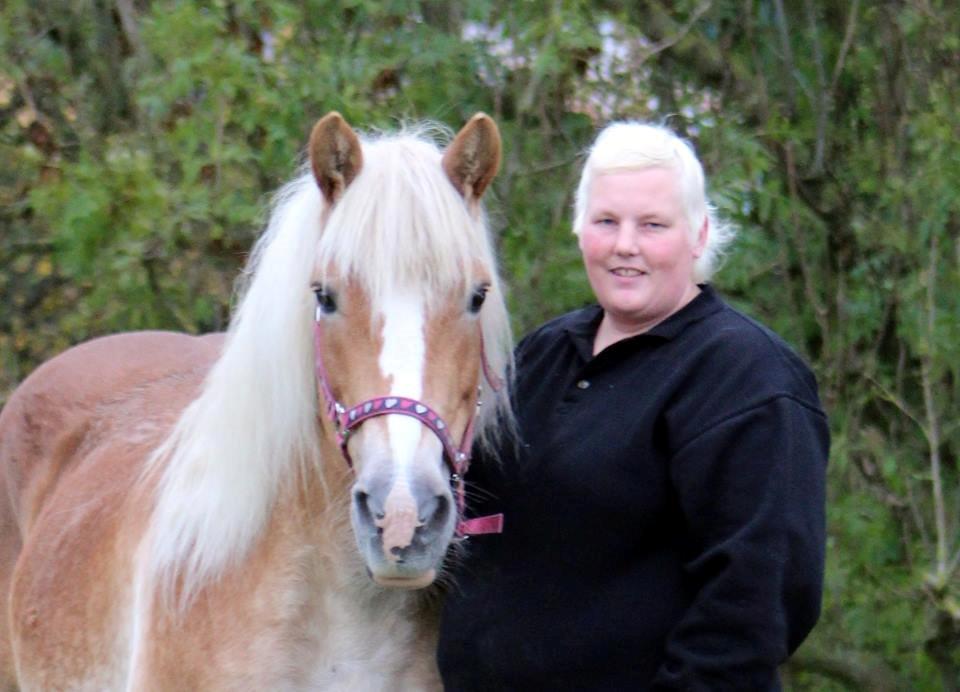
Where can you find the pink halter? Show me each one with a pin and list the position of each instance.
(345, 421)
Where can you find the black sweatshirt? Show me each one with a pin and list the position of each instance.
(664, 513)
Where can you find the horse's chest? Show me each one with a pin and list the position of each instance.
(345, 648)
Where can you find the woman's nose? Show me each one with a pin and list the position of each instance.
(626, 242)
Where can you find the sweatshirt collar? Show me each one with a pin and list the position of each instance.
(583, 327)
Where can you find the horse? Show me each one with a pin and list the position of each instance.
(243, 510)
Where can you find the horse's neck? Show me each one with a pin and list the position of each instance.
(347, 617)
(321, 495)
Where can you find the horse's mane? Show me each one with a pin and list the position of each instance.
(254, 423)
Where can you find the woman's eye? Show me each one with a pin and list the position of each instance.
(477, 298)
(326, 300)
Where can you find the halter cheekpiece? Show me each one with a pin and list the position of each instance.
(457, 457)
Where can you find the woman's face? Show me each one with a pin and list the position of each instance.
(637, 247)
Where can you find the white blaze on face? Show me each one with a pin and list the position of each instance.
(402, 361)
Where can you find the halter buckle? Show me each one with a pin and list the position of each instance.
(338, 424)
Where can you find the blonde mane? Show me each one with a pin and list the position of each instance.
(254, 423)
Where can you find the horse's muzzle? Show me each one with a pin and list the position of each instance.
(403, 530)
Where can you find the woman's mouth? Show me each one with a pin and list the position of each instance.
(626, 272)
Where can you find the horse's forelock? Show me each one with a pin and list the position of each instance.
(402, 224)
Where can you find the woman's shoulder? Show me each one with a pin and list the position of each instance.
(753, 354)
(742, 331)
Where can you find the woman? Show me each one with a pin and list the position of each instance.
(664, 508)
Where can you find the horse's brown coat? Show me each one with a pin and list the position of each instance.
(72, 441)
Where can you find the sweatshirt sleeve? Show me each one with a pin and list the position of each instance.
(752, 492)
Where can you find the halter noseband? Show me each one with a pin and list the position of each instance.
(345, 421)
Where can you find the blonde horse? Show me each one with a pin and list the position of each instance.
(176, 511)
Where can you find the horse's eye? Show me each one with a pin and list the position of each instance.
(479, 295)
(326, 300)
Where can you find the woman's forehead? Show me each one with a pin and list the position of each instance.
(646, 185)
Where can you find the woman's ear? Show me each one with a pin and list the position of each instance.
(700, 242)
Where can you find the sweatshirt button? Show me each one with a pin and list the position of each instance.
(583, 384)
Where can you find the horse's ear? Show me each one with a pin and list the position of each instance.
(335, 155)
(473, 157)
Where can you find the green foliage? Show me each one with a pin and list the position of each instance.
(139, 152)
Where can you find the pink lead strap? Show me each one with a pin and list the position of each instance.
(458, 458)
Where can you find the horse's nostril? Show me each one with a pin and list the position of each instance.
(435, 512)
(364, 504)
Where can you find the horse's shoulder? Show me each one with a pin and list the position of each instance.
(121, 392)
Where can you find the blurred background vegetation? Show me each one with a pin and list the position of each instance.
(141, 138)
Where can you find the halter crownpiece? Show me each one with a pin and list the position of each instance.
(345, 421)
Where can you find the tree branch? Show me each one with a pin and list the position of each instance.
(819, 310)
(787, 56)
(933, 419)
(901, 405)
(918, 518)
(845, 47)
(128, 22)
(822, 98)
(678, 34)
(847, 670)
